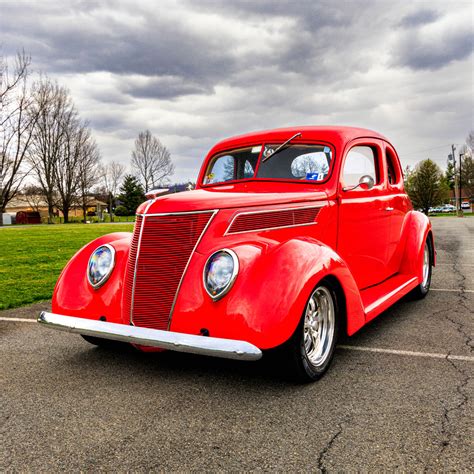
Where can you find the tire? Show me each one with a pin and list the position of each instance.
(106, 343)
(423, 288)
(309, 352)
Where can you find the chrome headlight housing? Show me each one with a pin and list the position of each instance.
(100, 266)
(220, 272)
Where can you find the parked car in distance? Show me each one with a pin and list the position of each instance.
(448, 208)
(465, 205)
(291, 237)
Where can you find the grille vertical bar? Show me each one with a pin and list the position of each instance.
(163, 251)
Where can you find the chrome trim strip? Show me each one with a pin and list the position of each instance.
(316, 206)
(210, 346)
(235, 272)
(175, 213)
(384, 298)
(214, 212)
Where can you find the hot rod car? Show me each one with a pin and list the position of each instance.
(291, 237)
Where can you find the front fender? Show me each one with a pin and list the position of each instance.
(74, 296)
(269, 295)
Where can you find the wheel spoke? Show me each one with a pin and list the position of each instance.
(319, 326)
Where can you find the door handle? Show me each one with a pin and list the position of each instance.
(389, 209)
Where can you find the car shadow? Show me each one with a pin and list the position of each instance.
(267, 371)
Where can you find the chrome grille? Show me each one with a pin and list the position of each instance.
(165, 244)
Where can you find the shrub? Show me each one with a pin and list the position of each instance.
(121, 211)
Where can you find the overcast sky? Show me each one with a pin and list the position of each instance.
(194, 72)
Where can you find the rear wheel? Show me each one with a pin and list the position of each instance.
(310, 350)
(422, 289)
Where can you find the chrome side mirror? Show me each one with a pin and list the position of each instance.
(365, 182)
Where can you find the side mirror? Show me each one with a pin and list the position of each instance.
(365, 182)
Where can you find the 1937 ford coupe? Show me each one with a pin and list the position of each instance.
(292, 236)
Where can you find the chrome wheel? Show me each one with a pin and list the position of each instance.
(426, 266)
(319, 326)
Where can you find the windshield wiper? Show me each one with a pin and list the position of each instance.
(265, 158)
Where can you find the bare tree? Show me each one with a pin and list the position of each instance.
(151, 161)
(89, 170)
(33, 195)
(16, 127)
(112, 174)
(470, 140)
(53, 105)
(67, 171)
(9, 82)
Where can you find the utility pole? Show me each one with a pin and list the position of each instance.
(461, 213)
(456, 180)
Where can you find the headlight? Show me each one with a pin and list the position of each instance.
(220, 273)
(101, 264)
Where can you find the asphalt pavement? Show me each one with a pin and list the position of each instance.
(397, 397)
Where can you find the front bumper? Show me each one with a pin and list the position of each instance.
(175, 341)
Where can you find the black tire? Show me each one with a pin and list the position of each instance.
(106, 343)
(423, 288)
(294, 353)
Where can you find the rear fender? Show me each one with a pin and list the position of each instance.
(269, 295)
(417, 230)
(74, 296)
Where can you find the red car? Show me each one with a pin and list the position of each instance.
(291, 237)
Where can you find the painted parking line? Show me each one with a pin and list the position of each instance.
(452, 290)
(430, 355)
(19, 320)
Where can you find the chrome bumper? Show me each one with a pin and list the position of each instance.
(174, 341)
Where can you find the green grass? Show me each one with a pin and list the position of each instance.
(31, 258)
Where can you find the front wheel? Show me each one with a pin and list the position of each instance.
(422, 289)
(310, 350)
(105, 343)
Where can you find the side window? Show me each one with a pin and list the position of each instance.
(392, 174)
(360, 161)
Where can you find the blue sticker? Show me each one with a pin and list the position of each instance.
(327, 149)
(315, 176)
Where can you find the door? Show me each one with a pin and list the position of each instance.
(399, 205)
(364, 221)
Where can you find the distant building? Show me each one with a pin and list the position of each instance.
(37, 203)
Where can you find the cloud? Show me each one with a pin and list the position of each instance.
(195, 72)
(420, 17)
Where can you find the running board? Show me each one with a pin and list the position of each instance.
(377, 299)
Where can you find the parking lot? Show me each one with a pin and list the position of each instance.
(398, 396)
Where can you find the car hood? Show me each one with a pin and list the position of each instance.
(231, 196)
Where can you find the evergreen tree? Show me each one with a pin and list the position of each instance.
(450, 173)
(131, 194)
(426, 185)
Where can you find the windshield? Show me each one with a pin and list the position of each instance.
(292, 162)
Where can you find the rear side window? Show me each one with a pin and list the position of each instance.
(360, 161)
(392, 174)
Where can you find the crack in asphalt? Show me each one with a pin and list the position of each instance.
(449, 413)
(328, 446)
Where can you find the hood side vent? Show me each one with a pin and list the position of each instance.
(275, 219)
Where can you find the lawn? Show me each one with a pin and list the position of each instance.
(32, 257)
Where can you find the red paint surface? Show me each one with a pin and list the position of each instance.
(369, 241)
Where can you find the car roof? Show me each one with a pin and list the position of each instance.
(322, 132)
